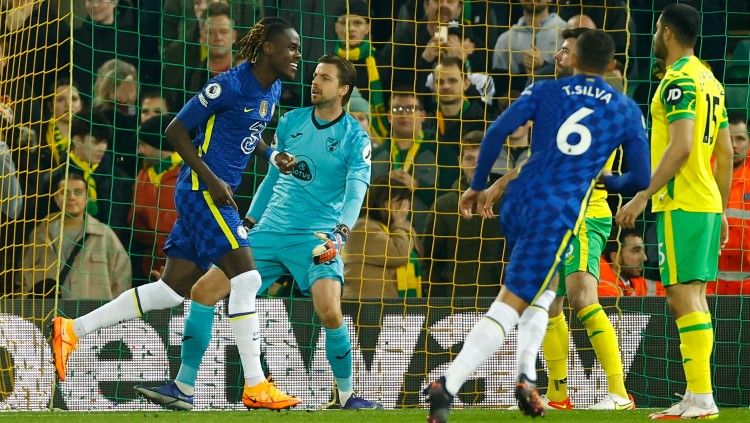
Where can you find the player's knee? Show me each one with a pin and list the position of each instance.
(555, 309)
(331, 318)
(203, 294)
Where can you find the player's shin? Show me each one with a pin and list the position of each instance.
(339, 355)
(128, 305)
(531, 328)
(556, 344)
(245, 324)
(198, 325)
(485, 338)
(604, 340)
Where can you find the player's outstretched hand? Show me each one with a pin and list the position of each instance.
(492, 196)
(285, 162)
(628, 213)
(333, 242)
(466, 204)
(220, 192)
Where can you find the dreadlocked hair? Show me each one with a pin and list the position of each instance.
(262, 31)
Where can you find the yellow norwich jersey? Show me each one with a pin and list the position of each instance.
(598, 206)
(688, 91)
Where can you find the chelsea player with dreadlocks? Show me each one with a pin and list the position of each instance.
(228, 116)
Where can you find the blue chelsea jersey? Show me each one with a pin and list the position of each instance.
(229, 115)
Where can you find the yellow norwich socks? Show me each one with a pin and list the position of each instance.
(696, 345)
(603, 339)
(555, 348)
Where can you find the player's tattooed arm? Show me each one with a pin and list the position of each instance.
(282, 161)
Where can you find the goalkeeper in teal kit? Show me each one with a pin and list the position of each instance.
(303, 218)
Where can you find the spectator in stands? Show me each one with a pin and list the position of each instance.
(381, 259)
(417, 39)
(37, 49)
(360, 109)
(734, 261)
(65, 102)
(464, 257)
(109, 190)
(482, 85)
(180, 21)
(193, 64)
(409, 152)
(154, 213)
(514, 152)
(526, 51)
(621, 271)
(581, 21)
(373, 72)
(115, 96)
(102, 37)
(456, 115)
(153, 104)
(94, 265)
(11, 195)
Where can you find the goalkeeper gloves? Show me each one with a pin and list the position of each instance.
(333, 243)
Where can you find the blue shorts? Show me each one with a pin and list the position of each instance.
(277, 254)
(537, 237)
(204, 233)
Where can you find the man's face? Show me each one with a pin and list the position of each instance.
(73, 202)
(443, 10)
(660, 46)
(359, 29)
(563, 63)
(152, 106)
(449, 84)
(406, 117)
(739, 136)
(217, 32)
(126, 93)
(326, 86)
(469, 157)
(286, 54)
(148, 151)
(67, 101)
(631, 258)
(89, 148)
(101, 11)
(534, 6)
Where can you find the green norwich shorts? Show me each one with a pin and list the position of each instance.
(688, 246)
(584, 250)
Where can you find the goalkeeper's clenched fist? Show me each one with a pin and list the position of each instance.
(332, 244)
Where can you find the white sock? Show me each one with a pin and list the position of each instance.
(531, 329)
(245, 324)
(128, 305)
(484, 339)
(344, 396)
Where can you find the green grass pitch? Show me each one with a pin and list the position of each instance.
(391, 416)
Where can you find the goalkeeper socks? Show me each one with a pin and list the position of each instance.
(200, 320)
(603, 339)
(556, 344)
(485, 338)
(531, 328)
(245, 324)
(128, 305)
(339, 355)
(696, 345)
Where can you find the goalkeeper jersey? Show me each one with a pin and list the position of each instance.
(688, 91)
(328, 154)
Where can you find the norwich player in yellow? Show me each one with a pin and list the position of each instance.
(579, 276)
(689, 127)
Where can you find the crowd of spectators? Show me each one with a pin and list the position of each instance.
(431, 76)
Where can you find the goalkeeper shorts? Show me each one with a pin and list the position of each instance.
(278, 253)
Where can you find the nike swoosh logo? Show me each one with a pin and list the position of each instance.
(185, 338)
(296, 135)
(344, 355)
(248, 110)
